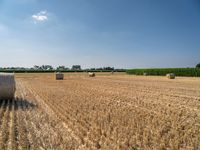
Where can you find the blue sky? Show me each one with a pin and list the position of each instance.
(97, 33)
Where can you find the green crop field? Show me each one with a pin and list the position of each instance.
(188, 72)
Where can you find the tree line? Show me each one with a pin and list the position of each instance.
(50, 68)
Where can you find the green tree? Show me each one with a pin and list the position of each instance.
(76, 67)
(198, 65)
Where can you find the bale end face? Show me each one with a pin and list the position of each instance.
(7, 86)
(59, 76)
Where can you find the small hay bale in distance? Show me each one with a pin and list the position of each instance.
(91, 74)
(7, 86)
(170, 76)
(145, 74)
(59, 76)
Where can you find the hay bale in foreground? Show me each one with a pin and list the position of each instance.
(91, 74)
(59, 76)
(170, 76)
(7, 86)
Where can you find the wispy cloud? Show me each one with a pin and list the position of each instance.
(42, 16)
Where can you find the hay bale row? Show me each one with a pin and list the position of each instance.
(7, 86)
(59, 76)
(170, 76)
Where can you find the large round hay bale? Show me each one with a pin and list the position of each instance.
(91, 74)
(170, 76)
(7, 86)
(59, 76)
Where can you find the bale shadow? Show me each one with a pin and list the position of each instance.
(17, 103)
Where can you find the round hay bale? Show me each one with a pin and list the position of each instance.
(170, 76)
(91, 74)
(7, 86)
(145, 74)
(59, 76)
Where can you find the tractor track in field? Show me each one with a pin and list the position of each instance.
(4, 132)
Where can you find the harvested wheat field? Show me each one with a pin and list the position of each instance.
(105, 112)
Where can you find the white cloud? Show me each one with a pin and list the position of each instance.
(42, 16)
